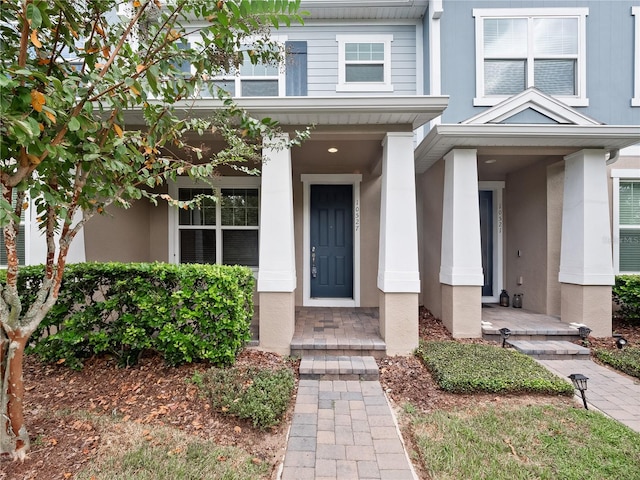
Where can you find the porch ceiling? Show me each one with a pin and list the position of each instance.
(524, 142)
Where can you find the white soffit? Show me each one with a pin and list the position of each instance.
(535, 100)
(412, 111)
(443, 138)
(364, 9)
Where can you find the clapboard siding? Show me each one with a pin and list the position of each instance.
(322, 51)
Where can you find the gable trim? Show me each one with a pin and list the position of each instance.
(534, 99)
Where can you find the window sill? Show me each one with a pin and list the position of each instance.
(493, 101)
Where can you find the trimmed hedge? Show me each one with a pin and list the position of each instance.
(626, 294)
(468, 368)
(186, 313)
(626, 360)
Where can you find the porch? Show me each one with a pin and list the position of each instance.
(355, 331)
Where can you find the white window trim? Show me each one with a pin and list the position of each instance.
(635, 101)
(330, 179)
(480, 14)
(216, 183)
(342, 85)
(617, 175)
(497, 188)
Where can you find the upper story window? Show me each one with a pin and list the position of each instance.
(635, 101)
(364, 63)
(626, 220)
(252, 80)
(521, 48)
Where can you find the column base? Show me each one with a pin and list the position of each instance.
(588, 304)
(462, 310)
(399, 322)
(277, 321)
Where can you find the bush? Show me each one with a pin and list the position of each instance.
(626, 294)
(186, 313)
(469, 368)
(259, 395)
(626, 360)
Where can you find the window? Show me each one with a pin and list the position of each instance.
(521, 48)
(251, 81)
(635, 101)
(626, 204)
(223, 230)
(364, 63)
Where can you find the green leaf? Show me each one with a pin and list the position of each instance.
(34, 14)
(74, 124)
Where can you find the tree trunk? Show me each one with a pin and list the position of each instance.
(14, 439)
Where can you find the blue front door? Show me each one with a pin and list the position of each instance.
(331, 235)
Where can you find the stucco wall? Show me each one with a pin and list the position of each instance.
(555, 189)
(526, 253)
(430, 187)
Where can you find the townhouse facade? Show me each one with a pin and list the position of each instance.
(459, 148)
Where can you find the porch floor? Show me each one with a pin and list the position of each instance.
(523, 322)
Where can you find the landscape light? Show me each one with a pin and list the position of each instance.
(504, 334)
(580, 383)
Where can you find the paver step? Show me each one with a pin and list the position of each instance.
(343, 367)
(304, 347)
(551, 349)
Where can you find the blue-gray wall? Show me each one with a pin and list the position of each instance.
(610, 36)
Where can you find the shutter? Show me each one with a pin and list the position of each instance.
(296, 69)
(629, 211)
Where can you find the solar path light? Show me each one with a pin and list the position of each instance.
(580, 383)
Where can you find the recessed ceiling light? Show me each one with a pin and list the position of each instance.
(332, 150)
(491, 160)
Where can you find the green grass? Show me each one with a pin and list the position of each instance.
(158, 453)
(532, 442)
(468, 368)
(626, 360)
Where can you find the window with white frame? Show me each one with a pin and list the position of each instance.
(626, 204)
(635, 101)
(223, 229)
(521, 48)
(260, 80)
(364, 63)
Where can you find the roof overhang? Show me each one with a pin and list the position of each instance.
(364, 9)
(409, 111)
(443, 138)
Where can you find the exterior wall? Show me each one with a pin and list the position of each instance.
(609, 66)
(430, 197)
(322, 54)
(555, 189)
(526, 210)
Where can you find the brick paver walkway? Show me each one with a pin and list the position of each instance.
(344, 430)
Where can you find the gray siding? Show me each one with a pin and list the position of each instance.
(322, 51)
(609, 50)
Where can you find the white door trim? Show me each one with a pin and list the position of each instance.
(498, 238)
(330, 179)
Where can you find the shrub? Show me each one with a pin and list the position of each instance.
(626, 294)
(259, 395)
(186, 313)
(626, 360)
(468, 368)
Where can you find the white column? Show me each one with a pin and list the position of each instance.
(398, 273)
(586, 257)
(398, 255)
(277, 271)
(461, 257)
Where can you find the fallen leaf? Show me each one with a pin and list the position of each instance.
(237, 429)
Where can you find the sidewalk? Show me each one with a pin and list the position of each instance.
(344, 430)
(612, 393)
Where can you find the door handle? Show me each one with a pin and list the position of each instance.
(314, 270)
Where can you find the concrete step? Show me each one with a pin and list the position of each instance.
(336, 347)
(551, 349)
(560, 333)
(343, 367)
